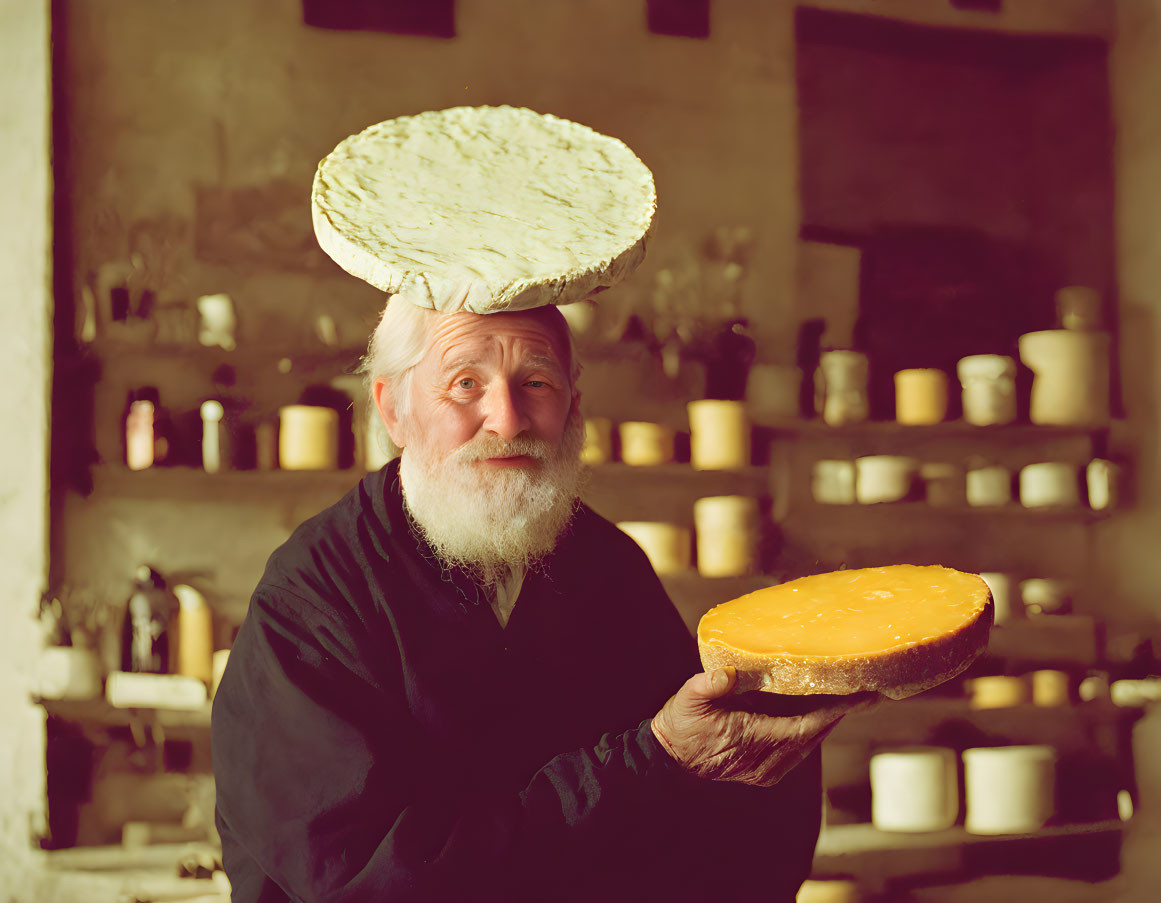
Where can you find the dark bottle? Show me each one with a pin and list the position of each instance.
(146, 631)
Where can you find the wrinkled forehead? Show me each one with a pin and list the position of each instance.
(543, 329)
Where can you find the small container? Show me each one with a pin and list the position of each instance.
(308, 438)
(727, 535)
(1093, 688)
(212, 413)
(920, 397)
(68, 672)
(914, 789)
(1102, 479)
(1071, 382)
(1049, 484)
(989, 389)
(139, 435)
(883, 478)
(719, 435)
(841, 387)
(1009, 789)
(833, 482)
(598, 444)
(998, 691)
(1051, 688)
(646, 444)
(989, 486)
(666, 545)
(195, 634)
(1001, 586)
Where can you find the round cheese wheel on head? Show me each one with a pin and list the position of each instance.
(484, 209)
(894, 630)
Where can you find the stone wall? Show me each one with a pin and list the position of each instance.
(25, 373)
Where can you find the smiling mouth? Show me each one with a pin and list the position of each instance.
(511, 461)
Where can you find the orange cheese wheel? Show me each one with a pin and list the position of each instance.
(895, 630)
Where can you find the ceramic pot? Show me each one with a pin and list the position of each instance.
(727, 535)
(667, 546)
(989, 388)
(841, 383)
(719, 435)
(1009, 789)
(883, 478)
(914, 789)
(920, 397)
(308, 437)
(1071, 383)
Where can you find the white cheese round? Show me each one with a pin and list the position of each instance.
(484, 208)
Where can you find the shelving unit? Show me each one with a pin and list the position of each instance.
(1086, 851)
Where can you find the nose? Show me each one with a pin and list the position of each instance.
(504, 414)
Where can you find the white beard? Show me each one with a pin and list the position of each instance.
(489, 520)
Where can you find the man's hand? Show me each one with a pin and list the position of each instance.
(754, 738)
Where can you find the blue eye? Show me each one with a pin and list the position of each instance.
(536, 383)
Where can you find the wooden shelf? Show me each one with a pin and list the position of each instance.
(952, 429)
(192, 484)
(248, 357)
(1090, 851)
(953, 722)
(1075, 514)
(666, 493)
(98, 713)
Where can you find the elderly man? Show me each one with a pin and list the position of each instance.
(460, 683)
(453, 684)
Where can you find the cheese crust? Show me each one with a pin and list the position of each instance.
(897, 672)
(484, 209)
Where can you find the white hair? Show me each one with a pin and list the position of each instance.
(401, 340)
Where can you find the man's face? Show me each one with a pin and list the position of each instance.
(498, 376)
(491, 440)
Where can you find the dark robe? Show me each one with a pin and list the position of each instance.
(378, 736)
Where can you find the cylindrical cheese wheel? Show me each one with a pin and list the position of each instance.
(920, 396)
(998, 691)
(666, 545)
(727, 535)
(914, 789)
(1009, 789)
(896, 630)
(645, 444)
(308, 438)
(719, 435)
(598, 447)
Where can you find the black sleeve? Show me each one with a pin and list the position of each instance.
(313, 783)
(724, 837)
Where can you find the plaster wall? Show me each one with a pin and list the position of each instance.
(25, 373)
(173, 108)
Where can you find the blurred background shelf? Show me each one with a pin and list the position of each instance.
(1088, 851)
(99, 714)
(179, 484)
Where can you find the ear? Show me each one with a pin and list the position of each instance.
(384, 396)
(574, 408)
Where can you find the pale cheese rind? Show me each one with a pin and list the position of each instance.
(484, 209)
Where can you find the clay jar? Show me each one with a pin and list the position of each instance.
(989, 388)
(920, 397)
(841, 384)
(1071, 384)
